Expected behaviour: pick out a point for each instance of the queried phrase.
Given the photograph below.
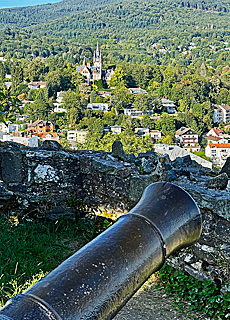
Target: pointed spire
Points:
(84, 62)
(97, 51)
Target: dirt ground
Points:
(152, 304)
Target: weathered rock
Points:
(171, 175)
(51, 145)
(11, 165)
(226, 167)
(147, 166)
(178, 163)
(147, 155)
(196, 273)
(187, 160)
(212, 200)
(131, 158)
(117, 150)
(219, 182)
(165, 162)
(4, 193)
(207, 253)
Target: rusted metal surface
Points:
(98, 280)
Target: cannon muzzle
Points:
(100, 278)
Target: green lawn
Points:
(30, 250)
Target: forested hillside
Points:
(26, 16)
(157, 31)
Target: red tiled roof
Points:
(53, 134)
(219, 145)
(218, 131)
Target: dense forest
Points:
(159, 32)
(27, 16)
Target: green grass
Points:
(201, 296)
(30, 250)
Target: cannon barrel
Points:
(96, 281)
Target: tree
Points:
(9, 105)
(39, 109)
(35, 69)
(223, 96)
(118, 78)
(74, 115)
(71, 100)
(123, 95)
(92, 96)
(142, 102)
(17, 76)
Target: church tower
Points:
(97, 61)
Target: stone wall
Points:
(41, 182)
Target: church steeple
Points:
(97, 51)
(97, 61)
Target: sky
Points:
(22, 3)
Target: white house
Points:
(104, 107)
(187, 138)
(36, 85)
(216, 132)
(59, 96)
(212, 139)
(155, 134)
(58, 108)
(136, 91)
(218, 153)
(169, 105)
(133, 112)
(116, 129)
(141, 132)
(31, 142)
(77, 136)
(221, 113)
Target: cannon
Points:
(97, 281)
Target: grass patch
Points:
(201, 296)
(30, 250)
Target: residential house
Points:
(36, 85)
(104, 107)
(30, 142)
(187, 138)
(60, 96)
(39, 127)
(212, 139)
(58, 108)
(116, 129)
(216, 132)
(4, 127)
(221, 113)
(104, 94)
(169, 105)
(141, 132)
(49, 136)
(218, 153)
(155, 135)
(78, 136)
(133, 112)
(22, 117)
(136, 91)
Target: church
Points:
(95, 72)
